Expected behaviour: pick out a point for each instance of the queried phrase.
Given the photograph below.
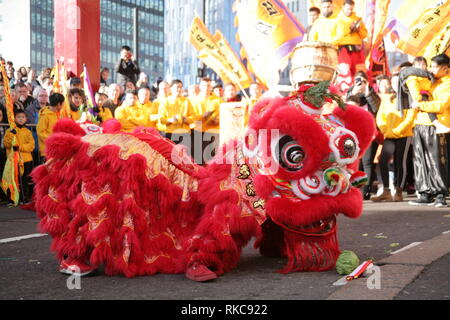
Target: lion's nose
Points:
(332, 176)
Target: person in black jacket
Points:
(362, 89)
(368, 99)
(127, 67)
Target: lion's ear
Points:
(262, 110)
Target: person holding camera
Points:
(370, 101)
(127, 67)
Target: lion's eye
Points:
(290, 154)
(349, 146)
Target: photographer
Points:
(367, 94)
(127, 67)
(368, 99)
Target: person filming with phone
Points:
(127, 67)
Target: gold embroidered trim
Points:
(156, 163)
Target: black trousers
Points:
(399, 148)
(26, 181)
(430, 161)
(368, 166)
(25, 184)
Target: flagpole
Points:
(10, 171)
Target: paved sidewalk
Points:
(397, 272)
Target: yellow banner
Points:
(236, 70)
(440, 44)
(10, 174)
(65, 112)
(425, 28)
(200, 37)
(269, 32)
(381, 13)
(8, 102)
(214, 63)
(410, 10)
(216, 53)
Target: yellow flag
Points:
(268, 32)
(410, 10)
(10, 175)
(214, 63)
(236, 70)
(65, 112)
(377, 31)
(200, 37)
(56, 77)
(425, 28)
(216, 53)
(439, 44)
(8, 101)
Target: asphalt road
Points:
(29, 269)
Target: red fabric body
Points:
(137, 204)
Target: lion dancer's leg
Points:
(217, 242)
(68, 232)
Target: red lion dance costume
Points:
(137, 204)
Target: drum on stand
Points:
(313, 62)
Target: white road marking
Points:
(28, 236)
(341, 282)
(445, 232)
(407, 247)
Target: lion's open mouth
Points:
(321, 227)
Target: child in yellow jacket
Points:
(104, 113)
(24, 144)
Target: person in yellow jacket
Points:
(24, 143)
(76, 99)
(430, 148)
(256, 92)
(159, 104)
(349, 35)
(397, 141)
(48, 117)
(144, 95)
(206, 123)
(130, 114)
(176, 115)
(324, 28)
(104, 113)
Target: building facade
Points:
(117, 29)
(42, 34)
(181, 60)
(27, 35)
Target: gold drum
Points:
(313, 62)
